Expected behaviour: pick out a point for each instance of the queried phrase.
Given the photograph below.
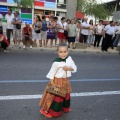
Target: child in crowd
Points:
(4, 42)
(53, 105)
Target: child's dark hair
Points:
(62, 45)
(1, 31)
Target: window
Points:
(61, 4)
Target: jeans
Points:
(97, 40)
(117, 39)
(89, 40)
(8, 33)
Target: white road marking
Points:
(25, 97)
(44, 81)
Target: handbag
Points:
(18, 26)
(66, 33)
(56, 90)
(37, 31)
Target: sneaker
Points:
(24, 46)
(5, 50)
(19, 47)
(45, 114)
(30, 47)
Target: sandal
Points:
(45, 113)
(67, 110)
(70, 110)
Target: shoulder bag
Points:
(56, 90)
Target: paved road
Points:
(95, 87)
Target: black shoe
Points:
(102, 50)
(68, 46)
(73, 47)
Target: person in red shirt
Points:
(27, 34)
(4, 42)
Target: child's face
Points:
(62, 52)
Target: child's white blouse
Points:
(61, 73)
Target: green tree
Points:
(91, 7)
(24, 3)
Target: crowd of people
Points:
(66, 31)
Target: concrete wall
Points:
(71, 9)
(116, 16)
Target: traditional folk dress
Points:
(56, 104)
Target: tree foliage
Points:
(24, 3)
(91, 7)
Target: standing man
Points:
(1, 17)
(84, 31)
(9, 29)
(109, 33)
(17, 28)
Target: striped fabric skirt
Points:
(56, 104)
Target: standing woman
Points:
(90, 34)
(61, 28)
(78, 25)
(37, 25)
(51, 31)
(71, 34)
(68, 21)
(99, 33)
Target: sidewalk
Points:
(88, 49)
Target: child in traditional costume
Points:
(4, 42)
(53, 105)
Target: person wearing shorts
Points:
(17, 28)
(51, 31)
(61, 27)
(37, 25)
(27, 35)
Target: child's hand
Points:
(65, 68)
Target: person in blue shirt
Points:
(44, 30)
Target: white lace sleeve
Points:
(71, 63)
(52, 71)
(73, 66)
